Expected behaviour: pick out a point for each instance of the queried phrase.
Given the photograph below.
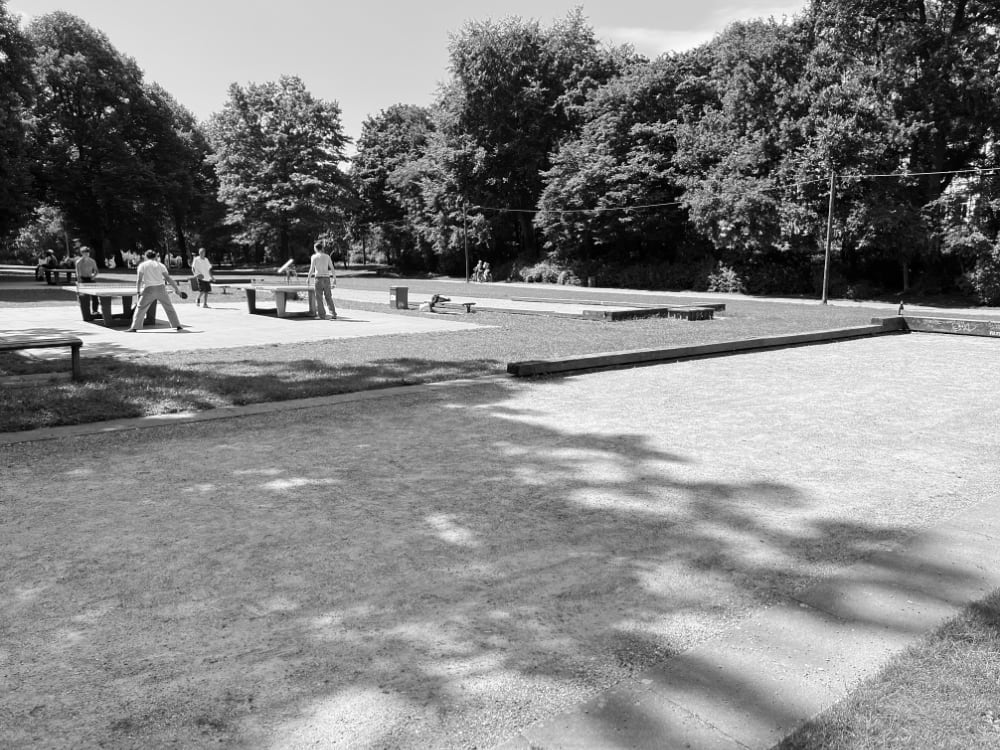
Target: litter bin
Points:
(398, 297)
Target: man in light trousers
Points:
(321, 267)
(151, 282)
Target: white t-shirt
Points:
(152, 273)
(201, 267)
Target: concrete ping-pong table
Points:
(281, 293)
(106, 296)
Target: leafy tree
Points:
(277, 156)
(17, 93)
(623, 158)
(934, 64)
(730, 151)
(390, 143)
(110, 154)
(515, 95)
(187, 186)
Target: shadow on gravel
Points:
(436, 570)
(115, 388)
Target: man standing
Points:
(151, 282)
(321, 266)
(86, 273)
(201, 267)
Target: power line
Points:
(790, 186)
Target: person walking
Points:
(151, 282)
(201, 267)
(321, 267)
(86, 273)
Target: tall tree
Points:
(278, 152)
(17, 93)
(516, 94)
(392, 140)
(611, 193)
(102, 139)
(934, 64)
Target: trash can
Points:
(398, 297)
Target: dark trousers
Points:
(95, 303)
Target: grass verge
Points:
(121, 387)
(943, 692)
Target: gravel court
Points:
(442, 568)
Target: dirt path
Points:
(437, 570)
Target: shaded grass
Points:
(169, 383)
(943, 692)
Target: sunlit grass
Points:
(943, 692)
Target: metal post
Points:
(829, 236)
(465, 240)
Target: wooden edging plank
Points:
(717, 306)
(671, 354)
(674, 311)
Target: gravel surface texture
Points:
(440, 568)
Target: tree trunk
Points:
(182, 246)
(528, 234)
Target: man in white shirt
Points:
(151, 282)
(86, 273)
(201, 267)
(321, 267)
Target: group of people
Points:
(481, 273)
(153, 277)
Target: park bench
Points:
(437, 301)
(52, 275)
(9, 343)
(467, 306)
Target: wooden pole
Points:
(829, 236)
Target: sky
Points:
(364, 54)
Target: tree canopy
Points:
(277, 154)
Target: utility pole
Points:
(465, 239)
(829, 235)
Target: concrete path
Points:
(225, 324)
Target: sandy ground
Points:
(441, 568)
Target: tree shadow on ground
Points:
(116, 388)
(435, 570)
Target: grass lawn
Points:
(116, 387)
(941, 693)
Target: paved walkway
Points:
(647, 454)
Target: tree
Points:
(108, 150)
(516, 94)
(934, 64)
(623, 158)
(277, 156)
(730, 151)
(17, 92)
(390, 141)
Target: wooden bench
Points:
(467, 306)
(52, 275)
(16, 343)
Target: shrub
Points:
(545, 272)
(985, 278)
(568, 278)
(725, 279)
